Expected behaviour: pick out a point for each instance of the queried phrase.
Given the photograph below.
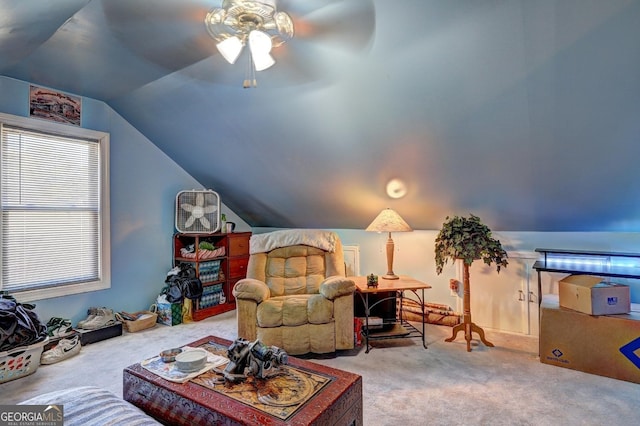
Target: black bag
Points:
(183, 284)
(173, 291)
(191, 288)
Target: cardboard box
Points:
(592, 295)
(603, 345)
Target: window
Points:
(55, 209)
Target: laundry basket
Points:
(21, 361)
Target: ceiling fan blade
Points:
(298, 63)
(173, 34)
(165, 32)
(343, 24)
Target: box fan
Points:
(197, 212)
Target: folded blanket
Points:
(263, 243)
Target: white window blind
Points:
(51, 210)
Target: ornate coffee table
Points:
(337, 399)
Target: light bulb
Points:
(260, 44)
(230, 48)
(262, 62)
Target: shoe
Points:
(59, 327)
(66, 348)
(104, 317)
(91, 314)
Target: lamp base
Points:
(390, 277)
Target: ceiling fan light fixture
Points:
(262, 62)
(254, 22)
(230, 49)
(259, 42)
(260, 45)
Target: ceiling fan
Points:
(254, 23)
(200, 38)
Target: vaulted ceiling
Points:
(526, 113)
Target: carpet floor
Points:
(403, 383)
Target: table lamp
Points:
(389, 221)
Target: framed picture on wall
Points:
(55, 106)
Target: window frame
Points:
(104, 280)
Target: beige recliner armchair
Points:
(296, 296)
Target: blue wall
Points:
(144, 183)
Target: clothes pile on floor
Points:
(19, 324)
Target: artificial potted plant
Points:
(468, 239)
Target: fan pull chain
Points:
(250, 75)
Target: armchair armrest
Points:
(252, 289)
(336, 286)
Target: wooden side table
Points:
(399, 328)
